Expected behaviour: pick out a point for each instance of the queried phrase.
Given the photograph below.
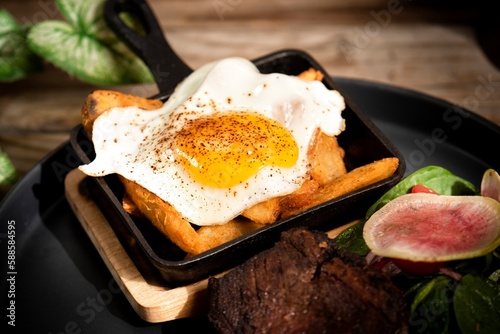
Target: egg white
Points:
(127, 140)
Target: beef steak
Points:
(304, 285)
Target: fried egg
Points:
(228, 137)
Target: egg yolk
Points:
(223, 150)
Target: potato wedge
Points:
(327, 159)
(165, 218)
(264, 212)
(216, 235)
(351, 181)
(99, 101)
(299, 198)
(311, 75)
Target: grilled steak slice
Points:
(303, 285)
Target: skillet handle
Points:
(152, 47)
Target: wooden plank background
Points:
(413, 44)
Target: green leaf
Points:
(80, 14)
(418, 283)
(430, 309)
(87, 18)
(16, 59)
(7, 22)
(436, 178)
(477, 305)
(85, 57)
(85, 47)
(351, 239)
(8, 173)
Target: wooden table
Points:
(410, 44)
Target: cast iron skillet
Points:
(150, 45)
(362, 141)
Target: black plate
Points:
(60, 276)
(362, 142)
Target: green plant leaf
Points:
(16, 59)
(85, 47)
(86, 17)
(477, 305)
(80, 14)
(351, 239)
(8, 173)
(436, 178)
(7, 22)
(430, 309)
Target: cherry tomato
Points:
(420, 188)
(418, 268)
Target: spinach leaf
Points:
(16, 59)
(436, 178)
(85, 47)
(477, 305)
(431, 306)
(351, 239)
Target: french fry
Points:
(311, 75)
(300, 197)
(165, 218)
(264, 212)
(216, 235)
(130, 207)
(351, 181)
(100, 101)
(327, 159)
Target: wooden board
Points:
(153, 302)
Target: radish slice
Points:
(429, 228)
(490, 185)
